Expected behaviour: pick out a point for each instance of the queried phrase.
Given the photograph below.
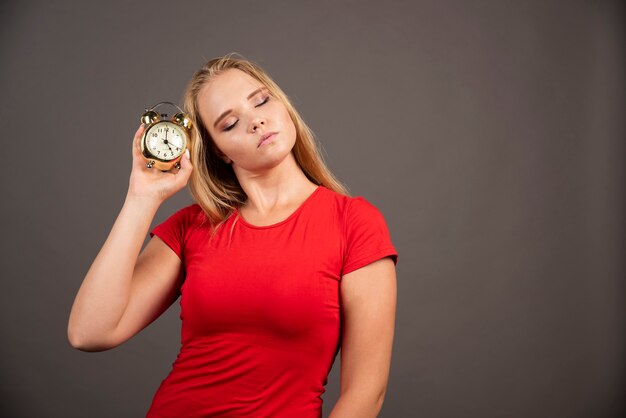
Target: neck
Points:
(277, 187)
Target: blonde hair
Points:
(213, 184)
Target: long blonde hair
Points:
(214, 185)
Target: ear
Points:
(223, 156)
(220, 154)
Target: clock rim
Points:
(148, 154)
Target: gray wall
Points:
(489, 133)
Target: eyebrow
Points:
(224, 114)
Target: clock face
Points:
(165, 140)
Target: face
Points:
(239, 112)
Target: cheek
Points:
(225, 145)
(231, 146)
(288, 123)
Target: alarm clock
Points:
(164, 141)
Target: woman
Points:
(275, 265)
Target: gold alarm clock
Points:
(164, 141)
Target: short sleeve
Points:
(367, 236)
(172, 230)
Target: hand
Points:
(151, 183)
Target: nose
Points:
(256, 123)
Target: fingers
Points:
(185, 166)
(136, 148)
(185, 162)
(137, 137)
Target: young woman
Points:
(276, 266)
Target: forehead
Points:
(225, 91)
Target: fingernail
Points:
(187, 154)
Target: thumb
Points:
(136, 147)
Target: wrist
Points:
(149, 203)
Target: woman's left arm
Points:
(368, 297)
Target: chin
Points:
(277, 156)
(275, 160)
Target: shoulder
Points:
(365, 234)
(189, 211)
(359, 206)
(188, 216)
(194, 210)
(350, 207)
(354, 215)
(363, 217)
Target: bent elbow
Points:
(381, 399)
(78, 341)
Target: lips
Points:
(265, 137)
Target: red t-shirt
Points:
(260, 306)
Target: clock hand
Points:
(166, 142)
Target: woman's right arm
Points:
(124, 290)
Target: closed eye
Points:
(229, 127)
(263, 102)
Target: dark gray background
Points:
(489, 133)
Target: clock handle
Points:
(161, 103)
